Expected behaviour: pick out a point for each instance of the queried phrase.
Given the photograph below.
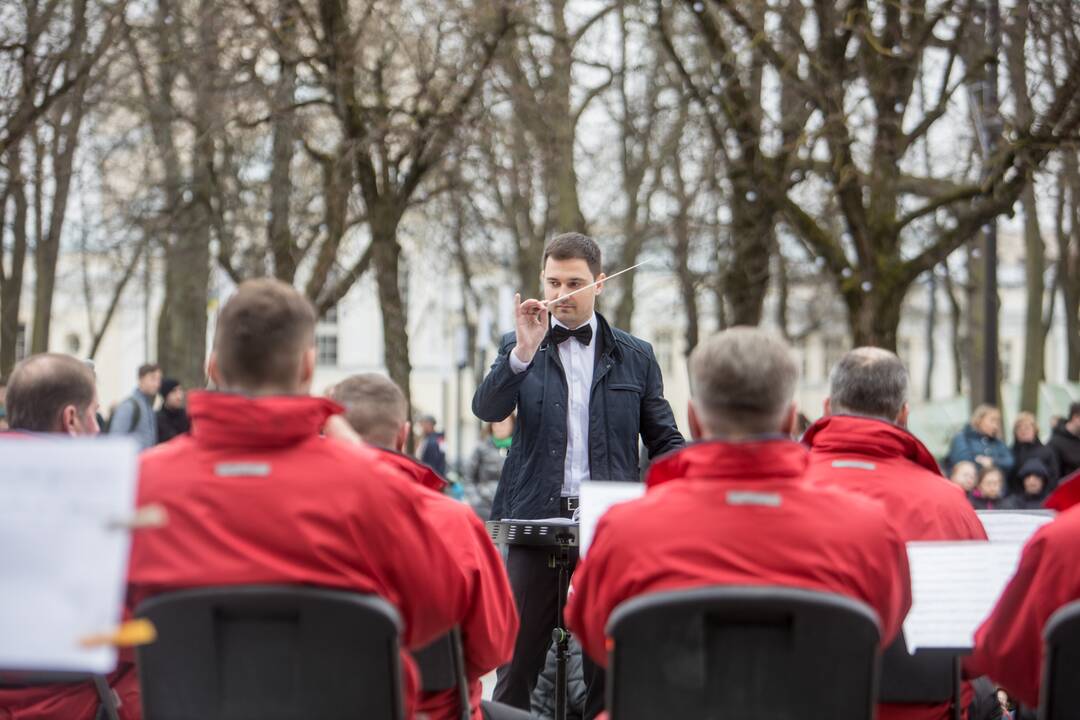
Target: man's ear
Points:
(828, 407)
(69, 420)
(600, 283)
(902, 418)
(697, 431)
(402, 436)
(307, 369)
(213, 372)
(790, 424)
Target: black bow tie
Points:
(559, 334)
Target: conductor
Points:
(584, 392)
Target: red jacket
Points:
(885, 462)
(255, 495)
(489, 626)
(1008, 645)
(684, 533)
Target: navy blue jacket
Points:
(627, 400)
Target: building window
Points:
(326, 348)
(74, 344)
(664, 350)
(330, 316)
(1005, 352)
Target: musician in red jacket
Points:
(1009, 644)
(377, 410)
(736, 509)
(862, 446)
(256, 493)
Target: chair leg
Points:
(108, 710)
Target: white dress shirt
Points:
(578, 361)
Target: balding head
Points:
(376, 408)
(742, 382)
(870, 382)
(52, 393)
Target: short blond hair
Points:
(742, 381)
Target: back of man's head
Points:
(375, 407)
(742, 382)
(871, 382)
(52, 393)
(265, 339)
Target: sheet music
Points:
(62, 568)
(596, 498)
(1013, 526)
(954, 586)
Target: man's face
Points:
(175, 399)
(1033, 484)
(85, 424)
(150, 383)
(427, 427)
(990, 424)
(565, 276)
(1025, 432)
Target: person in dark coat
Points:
(1065, 442)
(172, 418)
(980, 442)
(431, 447)
(1034, 487)
(1028, 446)
(987, 494)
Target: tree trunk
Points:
(279, 231)
(387, 258)
(1035, 265)
(959, 343)
(874, 315)
(976, 322)
(182, 324)
(11, 295)
(746, 279)
(931, 327)
(1069, 267)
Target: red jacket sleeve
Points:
(1008, 645)
(892, 587)
(489, 628)
(595, 591)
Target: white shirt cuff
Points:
(516, 364)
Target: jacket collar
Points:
(867, 436)
(416, 470)
(232, 420)
(763, 458)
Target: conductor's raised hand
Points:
(531, 325)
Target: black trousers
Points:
(498, 711)
(534, 585)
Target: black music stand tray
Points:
(559, 537)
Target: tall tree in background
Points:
(858, 68)
(400, 91)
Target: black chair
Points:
(753, 653)
(442, 667)
(1061, 665)
(270, 653)
(928, 676)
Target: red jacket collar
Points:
(226, 419)
(867, 436)
(762, 458)
(414, 469)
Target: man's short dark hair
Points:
(148, 368)
(374, 405)
(262, 333)
(41, 386)
(1074, 410)
(869, 381)
(574, 246)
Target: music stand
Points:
(559, 536)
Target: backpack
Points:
(135, 417)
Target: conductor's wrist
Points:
(523, 355)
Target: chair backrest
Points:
(270, 653)
(1061, 665)
(928, 676)
(753, 653)
(442, 667)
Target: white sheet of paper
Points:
(595, 500)
(1013, 526)
(63, 570)
(954, 586)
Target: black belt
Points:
(568, 504)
